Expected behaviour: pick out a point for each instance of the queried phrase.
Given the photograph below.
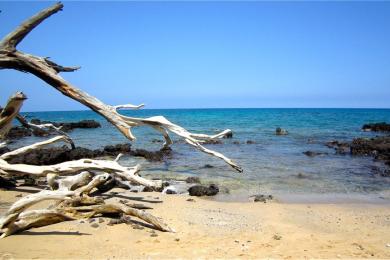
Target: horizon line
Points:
(205, 108)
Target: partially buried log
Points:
(43, 68)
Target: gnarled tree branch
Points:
(48, 71)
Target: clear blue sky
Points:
(209, 54)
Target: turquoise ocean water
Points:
(271, 165)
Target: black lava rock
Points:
(201, 190)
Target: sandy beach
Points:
(207, 229)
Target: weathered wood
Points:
(9, 112)
(10, 58)
(29, 148)
(74, 167)
(46, 128)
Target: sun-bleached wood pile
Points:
(71, 183)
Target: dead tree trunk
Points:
(11, 58)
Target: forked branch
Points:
(10, 58)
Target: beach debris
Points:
(277, 237)
(95, 225)
(261, 198)
(202, 190)
(191, 200)
(281, 131)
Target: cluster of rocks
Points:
(54, 155)
(21, 131)
(378, 147)
(377, 127)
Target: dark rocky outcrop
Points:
(21, 131)
(379, 147)
(201, 190)
(313, 153)
(18, 132)
(69, 126)
(54, 155)
(340, 147)
(377, 127)
(159, 155)
(212, 141)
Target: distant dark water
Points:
(271, 165)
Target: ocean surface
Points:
(272, 165)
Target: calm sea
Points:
(272, 165)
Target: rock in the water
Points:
(340, 147)
(212, 141)
(201, 190)
(193, 180)
(377, 127)
(152, 155)
(281, 131)
(250, 142)
(228, 135)
(312, 153)
(69, 126)
(18, 132)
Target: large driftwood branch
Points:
(16, 220)
(74, 167)
(29, 148)
(9, 112)
(10, 58)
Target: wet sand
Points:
(209, 229)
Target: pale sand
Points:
(208, 229)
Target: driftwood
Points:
(71, 182)
(17, 219)
(43, 68)
(9, 112)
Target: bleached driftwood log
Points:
(16, 219)
(9, 112)
(46, 128)
(26, 149)
(11, 58)
(74, 167)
